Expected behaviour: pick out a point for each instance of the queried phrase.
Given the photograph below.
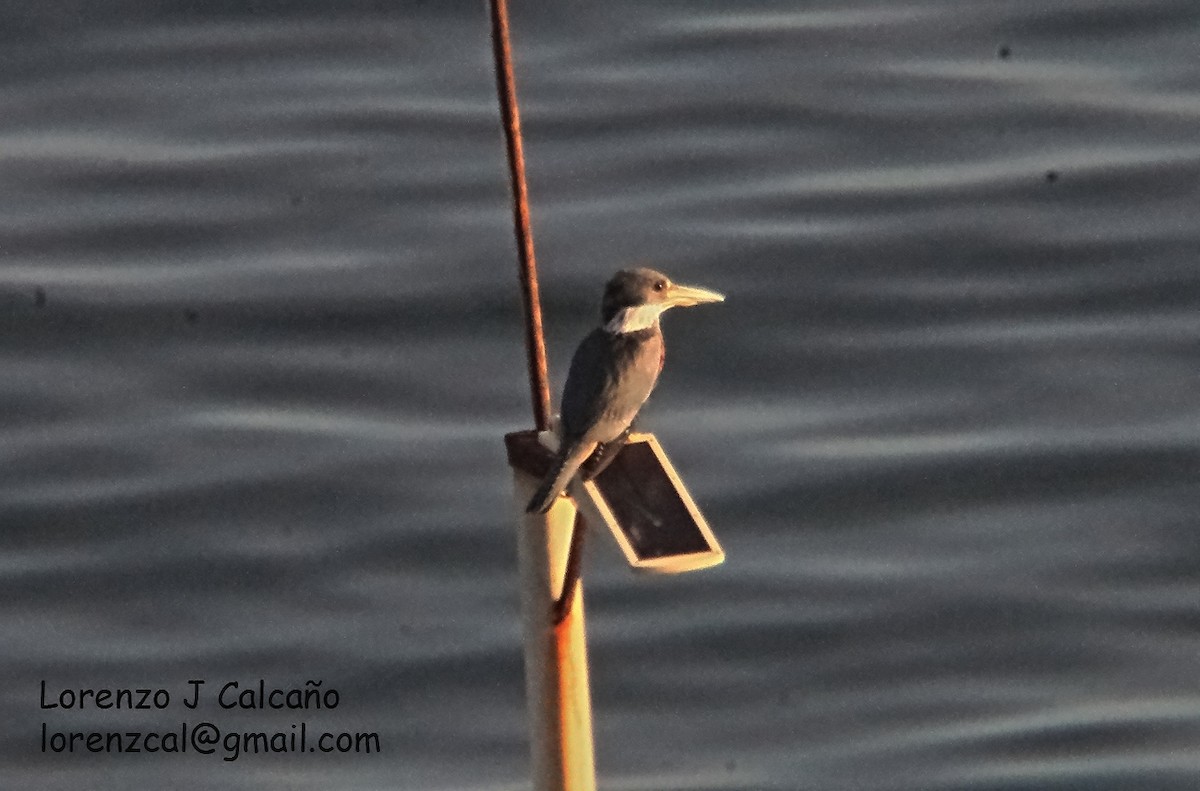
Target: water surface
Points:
(260, 342)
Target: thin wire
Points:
(506, 89)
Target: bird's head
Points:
(635, 298)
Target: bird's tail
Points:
(556, 480)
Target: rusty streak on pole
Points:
(535, 344)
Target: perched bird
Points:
(613, 370)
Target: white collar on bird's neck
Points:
(635, 318)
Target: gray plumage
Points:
(613, 371)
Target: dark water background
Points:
(259, 345)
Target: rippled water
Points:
(260, 346)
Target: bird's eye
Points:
(660, 285)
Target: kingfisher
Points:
(613, 371)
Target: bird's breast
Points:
(611, 376)
(643, 360)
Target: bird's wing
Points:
(590, 376)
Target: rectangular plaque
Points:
(641, 499)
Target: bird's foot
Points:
(604, 455)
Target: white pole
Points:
(556, 673)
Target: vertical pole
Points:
(556, 675)
(506, 89)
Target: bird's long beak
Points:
(686, 296)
